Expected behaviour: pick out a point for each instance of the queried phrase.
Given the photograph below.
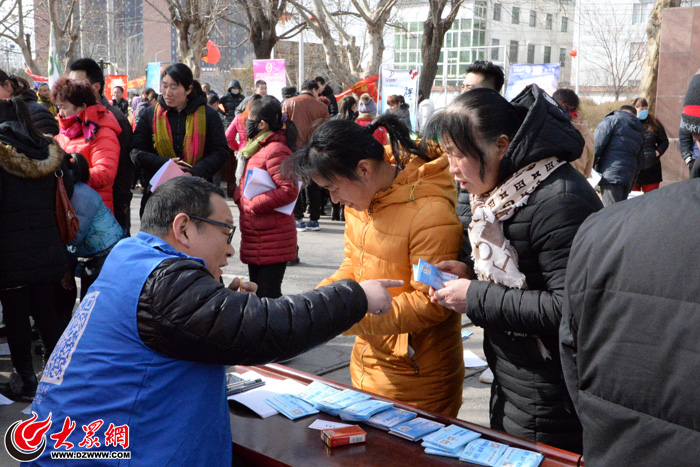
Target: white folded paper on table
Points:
(472, 361)
(255, 398)
(319, 424)
(169, 170)
(258, 181)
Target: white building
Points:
(505, 32)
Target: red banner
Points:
(367, 85)
(36, 77)
(115, 80)
(136, 83)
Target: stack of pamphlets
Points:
(427, 274)
(290, 406)
(415, 429)
(514, 457)
(362, 411)
(493, 454)
(316, 391)
(449, 441)
(332, 405)
(389, 418)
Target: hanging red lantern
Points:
(573, 53)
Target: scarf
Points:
(48, 104)
(251, 147)
(495, 259)
(195, 135)
(75, 126)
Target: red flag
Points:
(367, 85)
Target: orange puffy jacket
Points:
(101, 153)
(414, 353)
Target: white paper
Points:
(27, 410)
(5, 401)
(255, 398)
(326, 425)
(258, 181)
(4, 349)
(594, 179)
(169, 170)
(472, 361)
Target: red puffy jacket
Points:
(268, 236)
(101, 153)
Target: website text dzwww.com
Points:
(91, 455)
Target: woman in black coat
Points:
(32, 258)
(44, 120)
(527, 204)
(655, 145)
(181, 105)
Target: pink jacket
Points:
(237, 127)
(101, 153)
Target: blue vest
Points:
(176, 410)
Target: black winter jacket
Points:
(230, 102)
(528, 396)
(618, 148)
(43, 119)
(653, 141)
(185, 314)
(630, 330)
(144, 153)
(333, 106)
(30, 248)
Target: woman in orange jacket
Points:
(396, 214)
(88, 128)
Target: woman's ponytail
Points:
(402, 146)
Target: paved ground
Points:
(321, 253)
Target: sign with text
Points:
(400, 83)
(546, 76)
(153, 76)
(273, 72)
(114, 80)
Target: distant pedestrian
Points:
(655, 145)
(619, 141)
(568, 99)
(426, 109)
(118, 100)
(231, 100)
(11, 85)
(348, 108)
(483, 74)
(325, 90)
(397, 106)
(260, 89)
(43, 93)
(367, 109)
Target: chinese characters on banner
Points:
(273, 72)
(114, 80)
(400, 83)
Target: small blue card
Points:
(290, 406)
(362, 411)
(332, 405)
(427, 274)
(514, 457)
(415, 429)
(451, 439)
(389, 418)
(483, 452)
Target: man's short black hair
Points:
(567, 98)
(630, 109)
(212, 99)
(320, 80)
(191, 195)
(119, 87)
(259, 82)
(309, 85)
(493, 74)
(92, 71)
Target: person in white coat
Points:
(426, 109)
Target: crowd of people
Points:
(496, 192)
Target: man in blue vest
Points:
(141, 366)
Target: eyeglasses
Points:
(219, 224)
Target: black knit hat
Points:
(690, 119)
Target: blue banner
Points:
(546, 76)
(153, 76)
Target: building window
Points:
(533, 18)
(562, 57)
(531, 53)
(548, 23)
(497, 12)
(637, 50)
(564, 24)
(547, 54)
(639, 13)
(495, 51)
(516, 15)
(513, 53)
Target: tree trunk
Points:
(263, 41)
(650, 74)
(376, 46)
(430, 54)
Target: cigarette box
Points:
(342, 436)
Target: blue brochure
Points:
(514, 457)
(331, 405)
(316, 391)
(362, 411)
(483, 452)
(389, 418)
(290, 406)
(416, 429)
(451, 439)
(427, 274)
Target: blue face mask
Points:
(643, 114)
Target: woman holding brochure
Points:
(180, 127)
(527, 203)
(399, 209)
(268, 231)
